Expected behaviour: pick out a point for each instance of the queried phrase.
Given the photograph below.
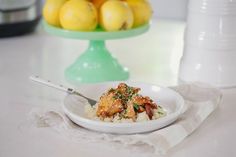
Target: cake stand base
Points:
(96, 65)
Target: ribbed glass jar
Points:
(210, 43)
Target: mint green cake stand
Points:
(96, 64)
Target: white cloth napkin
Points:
(201, 100)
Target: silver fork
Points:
(62, 88)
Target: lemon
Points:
(78, 15)
(115, 15)
(51, 11)
(142, 11)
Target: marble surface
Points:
(156, 57)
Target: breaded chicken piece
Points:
(126, 90)
(108, 106)
(140, 100)
(142, 104)
(130, 113)
(124, 98)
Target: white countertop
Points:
(157, 54)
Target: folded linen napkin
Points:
(201, 100)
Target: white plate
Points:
(170, 100)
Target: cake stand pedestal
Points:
(96, 64)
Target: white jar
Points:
(210, 43)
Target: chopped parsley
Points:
(136, 107)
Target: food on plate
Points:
(142, 11)
(124, 104)
(51, 11)
(78, 15)
(87, 15)
(116, 15)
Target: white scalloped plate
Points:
(170, 100)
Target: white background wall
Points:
(174, 9)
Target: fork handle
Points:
(50, 84)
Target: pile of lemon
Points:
(87, 15)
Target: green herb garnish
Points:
(136, 106)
